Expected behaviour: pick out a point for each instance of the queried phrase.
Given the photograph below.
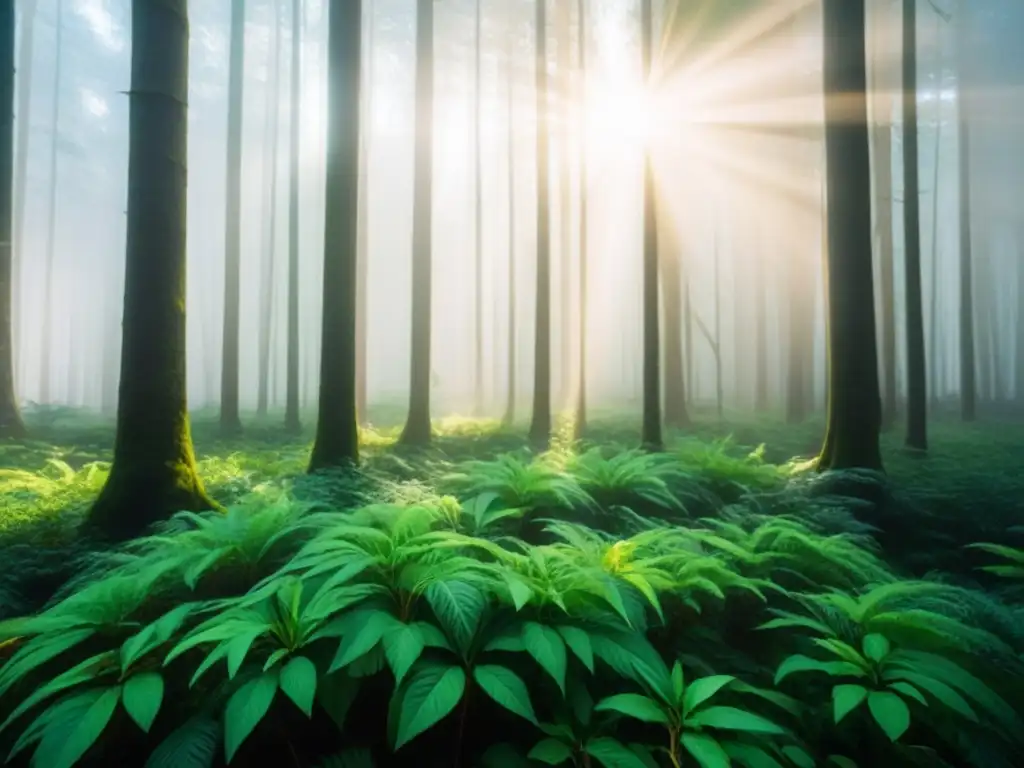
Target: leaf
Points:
(427, 697)
(945, 694)
(677, 683)
(458, 607)
(518, 590)
(153, 635)
(876, 647)
(335, 693)
(800, 663)
(733, 719)
(751, 756)
(368, 627)
(245, 709)
(845, 699)
(298, 683)
(579, 643)
(612, 753)
(705, 750)
(633, 705)
(37, 652)
(142, 696)
(506, 688)
(66, 741)
(550, 751)
(402, 647)
(702, 689)
(238, 648)
(890, 712)
(192, 745)
(548, 650)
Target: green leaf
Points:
(518, 590)
(702, 689)
(142, 696)
(732, 719)
(890, 712)
(677, 683)
(37, 652)
(335, 693)
(402, 646)
(458, 607)
(66, 741)
(548, 650)
(298, 683)
(876, 647)
(798, 757)
(192, 745)
(845, 699)
(551, 751)
(909, 692)
(800, 663)
(705, 750)
(245, 709)
(366, 630)
(153, 635)
(751, 756)
(579, 643)
(506, 688)
(238, 649)
(946, 695)
(612, 753)
(429, 694)
(633, 705)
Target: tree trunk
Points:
(540, 425)
(478, 225)
(292, 422)
(968, 383)
(363, 267)
(564, 37)
(510, 403)
(154, 468)
(854, 404)
(417, 426)
(672, 285)
(337, 429)
(760, 331)
(580, 420)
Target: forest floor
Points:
(919, 519)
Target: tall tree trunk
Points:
(968, 383)
(651, 431)
(800, 343)
(154, 469)
(854, 403)
(719, 382)
(690, 362)
(540, 425)
(11, 424)
(272, 121)
(672, 286)
(292, 422)
(510, 403)
(934, 358)
(363, 267)
(564, 37)
(917, 368)
(478, 224)
(580, 420)
(337, 429)
(417, 426)
(760, 331)
(1018, 375)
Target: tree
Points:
(478, 219)
(230, 422)
(968, 375)
(510, 394)
(11, 424)
(291, 408)
(417, 424)
(580, 420)
(337, 428)
(854, 403)
(154, 468)
(363, 268)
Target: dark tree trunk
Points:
(417, 426)
(580, 420)
(540, 425)
(11, 424)
(363, 267)
(510, 403)
(1018, 375)
(968, 383)
(917, 368)
(854, 403)
(291, 397)
(230, 422)
(337, 429)
(154, 469)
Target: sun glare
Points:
(619, 116)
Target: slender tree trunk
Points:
(417, 426)
(363, 267)
(854, 404)
(154, 469)
(581, 375)
(690, 362)
(272, 121)
(933, 320)
(565, 369)
(11, 424)
(672, 287)
(478, 224)
(510, 402)
(760, 331)
(1018, 376)
(540, 425)
(968, 383)
(719, 383)
(291, 398)
(337, 428)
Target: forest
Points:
(501, 383)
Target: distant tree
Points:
(417, 425)
(968, 372)
(154, 468)
(478, 216)
(337, 428)
(580, 420)
(854, 403)
(291, 407)
(11, 424)
(510, 390)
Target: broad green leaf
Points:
(677, 683)
(945, 694)
(403, 645)
(275, 657)
(634, 705)
(798, 757)
(791, 620)
(551, 751)
(458, 607)
(245, 709)
(362, 637)
(548, 650)
(518, 590)
(705, 750)
(427, 696)
(751, 756)
(238, 649)
(800, 663)
(579, 643)
(845, 699)
(298, 683)
(193, 745)
(702, 689)
(142, 696)
(65, 742)
(909, 692)
(876, 647)
(65, 712)
(335, 693)
(37, 652)
(732, 719)
(153, 635)
(506, 688)
(612, 753)
(890, 712)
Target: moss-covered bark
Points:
(337, 429)
(854, 403)
(154, 469)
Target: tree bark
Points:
(968, 376)
(363, 267)
(580, 421)
(510, 393)
(478, 224)
(292, 420)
